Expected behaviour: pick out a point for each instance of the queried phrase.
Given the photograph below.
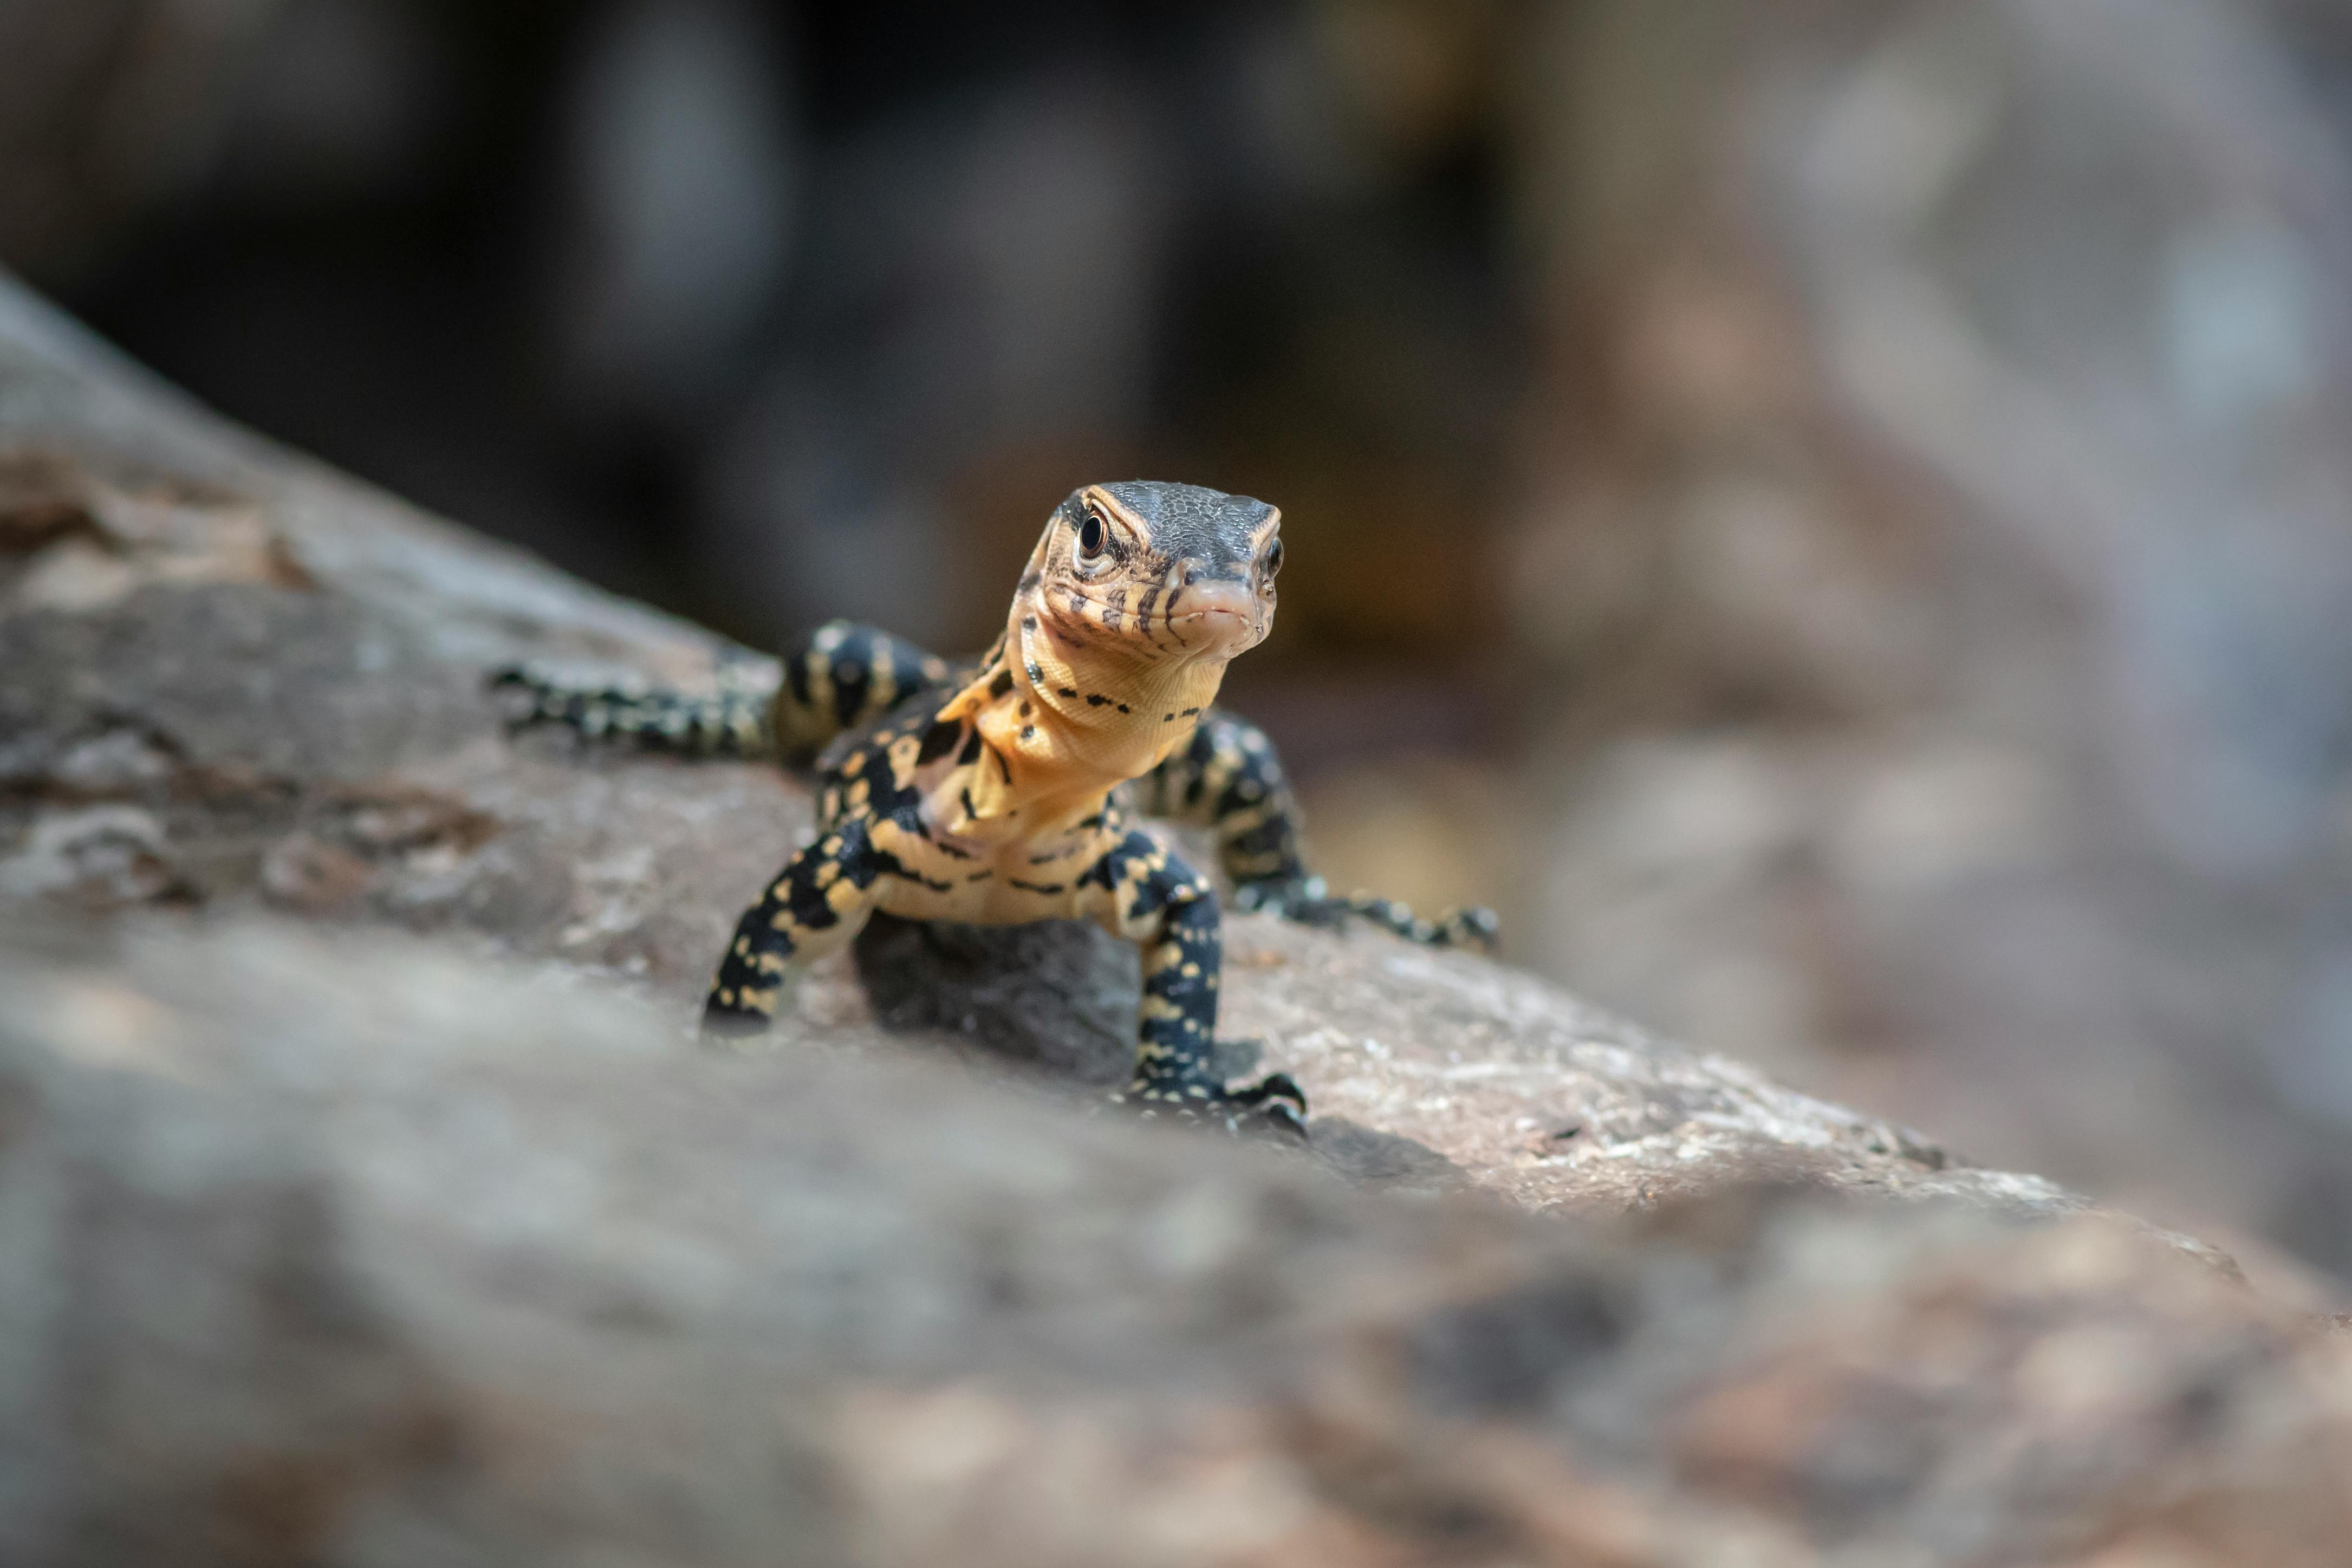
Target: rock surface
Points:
(355, 1252)
(236, 681)
(343, 1247)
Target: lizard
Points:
(999, 791)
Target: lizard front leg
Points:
(1138, 891)
(815, 906)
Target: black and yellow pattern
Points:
(1230, 780)
(730, 720)
(995, 793)
(841, 677)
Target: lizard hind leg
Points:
(729, 720)
(1229, 780)
(837, 678)
(1308, 903)
(843, 675)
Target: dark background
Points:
(1836, 516)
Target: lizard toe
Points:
(1275, 1107)
(1274, 1086)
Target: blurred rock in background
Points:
(1834, 515)
(1940, 552)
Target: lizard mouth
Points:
(1199, 618)
(1216, 612)
(1208, 634)
(1224, 622)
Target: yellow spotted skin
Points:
(997, 793)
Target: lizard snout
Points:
(1220, 610)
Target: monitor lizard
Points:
(999, 792)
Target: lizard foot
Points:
(729, 1027)
(1273, 1107)
(1307, 901)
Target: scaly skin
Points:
(997, 794)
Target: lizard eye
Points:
(1090, 537)
(1273, 558)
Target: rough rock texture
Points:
(347, 1248)
(355, 1252)
(235, 680)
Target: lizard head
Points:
(1138, 596)
(1144, 573)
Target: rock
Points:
(328, 1245)
(281, 704)
(348, 1251)
(1061, 994)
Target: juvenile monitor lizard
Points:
(998, 792)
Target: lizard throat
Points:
(1065, 721)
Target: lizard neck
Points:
(1064, 722)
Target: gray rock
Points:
(272, 697)
(349, 1251)
(362, 1199)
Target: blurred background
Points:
(1835, 517)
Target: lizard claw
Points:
(723, 1027)
(1274, 1086)
(1274, 1105)
(1476, 923)
(1279, 1117)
